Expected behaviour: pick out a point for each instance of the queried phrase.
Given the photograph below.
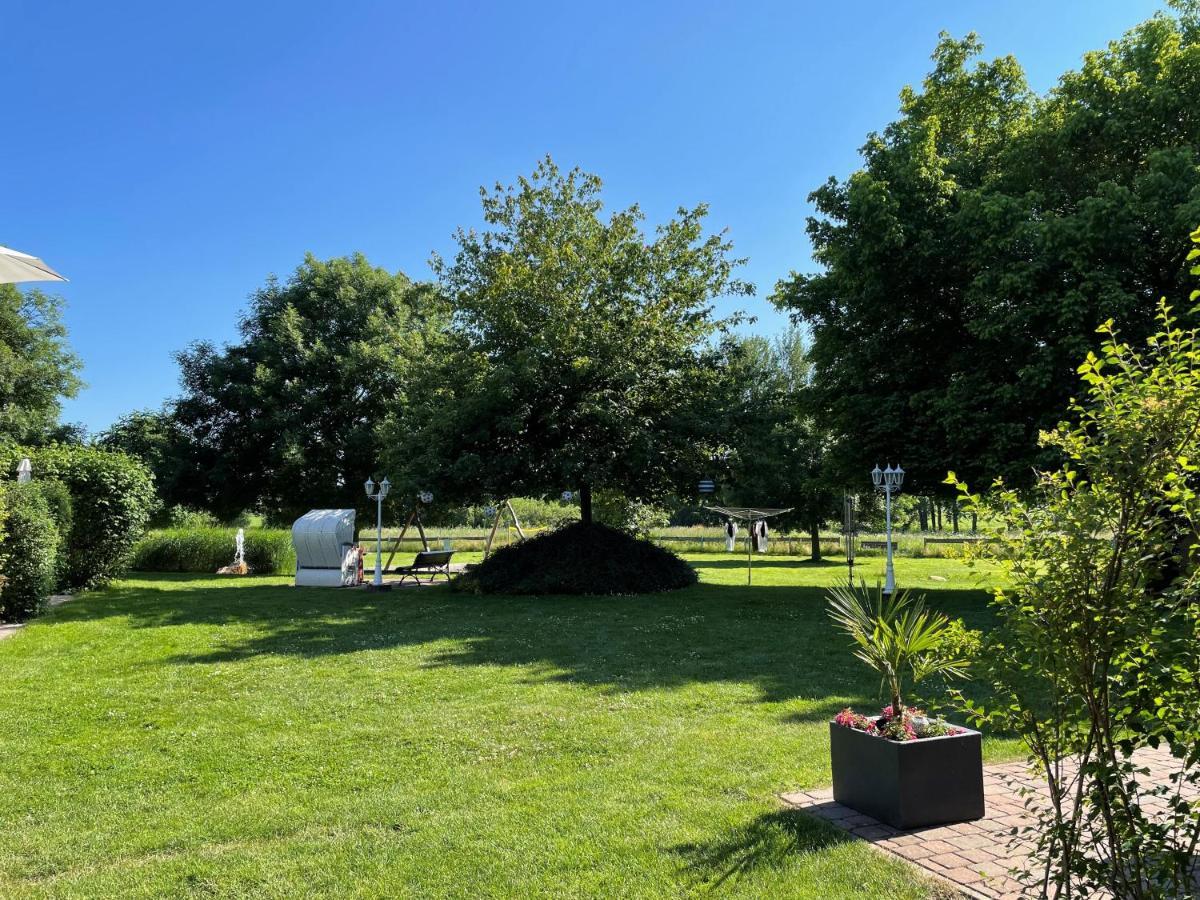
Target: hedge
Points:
(58, 500)
(268, 551)
(29, 552)
(112, 497)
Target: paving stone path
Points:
(979, 858)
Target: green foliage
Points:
(631, 516)
(157, 438)
(206, 549)
(111, 499)
(285, 420)
(779, 454)
(28, 554)
(37, 368)
(532, 512)
(900, 638)
(579, 558)
(580, 356)
(183, 517)
(989, 232)
(58, 501)
(1096, 653)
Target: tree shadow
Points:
(768, 841)
(777, 638)
(767, 562)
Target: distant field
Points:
(694, 539)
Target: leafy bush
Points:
(579, 559)
(58, 500)
(632, 516)
(112, 497)
(186, 517)
(30, 549)
(268, 551)
(1093, 655)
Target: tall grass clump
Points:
(268, 551)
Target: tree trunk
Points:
(923, 512)
(585, 503)
(954, 516)
(974, 523)
(815, 531)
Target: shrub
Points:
(58, 500)
(579, 559)
(112, 497)
(632, 516)
(1093, 655)
(268, 551)
(30, 549)
(185, 517)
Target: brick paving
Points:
(981, 859)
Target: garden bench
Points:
(428, 562)
(952, 540)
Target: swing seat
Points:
(428, 562)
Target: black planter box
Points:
(908, 784)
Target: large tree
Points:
(287, 418)
(37, 368)
(157, 438)
(582, 350)
(989, 232)
(779, 455)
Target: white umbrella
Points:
(17, 266)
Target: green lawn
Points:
(191, 736)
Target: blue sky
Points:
(167, 157)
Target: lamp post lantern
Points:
(889, 481)
(377, 492)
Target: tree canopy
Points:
(967, 265)
(779, 455)
(157, 439)
(581, 352)
(37, 367)
(287, 419)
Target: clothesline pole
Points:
(749, 548)
(751, 516)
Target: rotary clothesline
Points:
(749, 514)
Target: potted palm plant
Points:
(901, 766)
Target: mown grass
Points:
(177, 735)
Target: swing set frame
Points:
(414, 518)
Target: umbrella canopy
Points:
(17, 266)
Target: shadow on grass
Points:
(777, 638)
(767, 562)
(767, 842)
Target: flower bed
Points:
(913, 725)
